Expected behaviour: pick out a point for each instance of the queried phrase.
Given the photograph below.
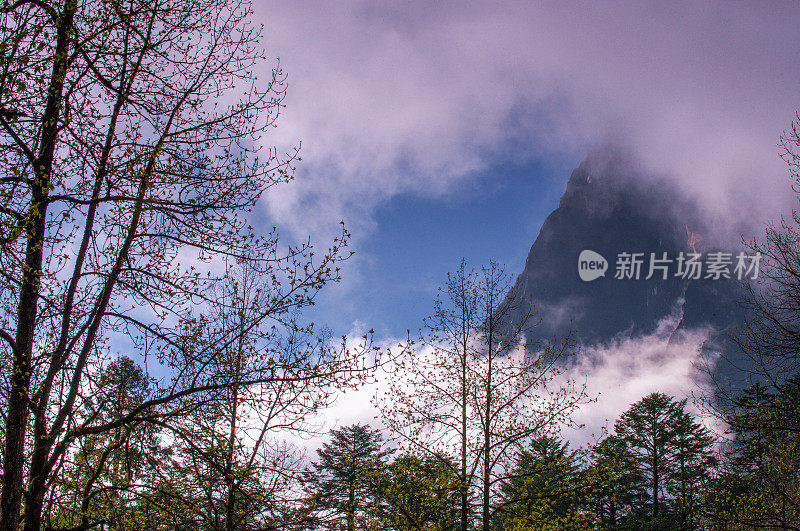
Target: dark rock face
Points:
(608, 208)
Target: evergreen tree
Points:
(673, 453)
(545, 489)
(99, 484)
(647, 431)
(692, 447)
(758, 485)
(616, 485)
(420, 492)
(342, 482)
(758, 482)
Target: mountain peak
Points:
(610, 207)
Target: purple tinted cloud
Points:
(415, 97)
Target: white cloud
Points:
(617, 374)
(354, 405)
(623, 371)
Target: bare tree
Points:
(236, 443)
(226, 464)
(130, 157)
(478, 390)
(759, 403)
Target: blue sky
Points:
(418, 240)
(441, 130)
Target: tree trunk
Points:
(230, 505)
(655, 483)
(351, 509)
(17, 409)
(612, 512)
(487, 439)
(487, 429)
(464, 487)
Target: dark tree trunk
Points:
(656, 464)
(18, 398)
(464, 486)
(487, 435)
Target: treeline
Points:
(658, 469)
(655, 471)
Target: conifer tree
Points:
(671, 451)
(342, 482)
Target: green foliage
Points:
(758, 484)
(342, 482)
(545, 490)
(133, 155)
(95, 484)
(654, 471)
(616, 484)
(692, 463)
(478, 390)
(419, 492)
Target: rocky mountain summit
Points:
(612, 209)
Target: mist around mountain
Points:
(612, 207)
